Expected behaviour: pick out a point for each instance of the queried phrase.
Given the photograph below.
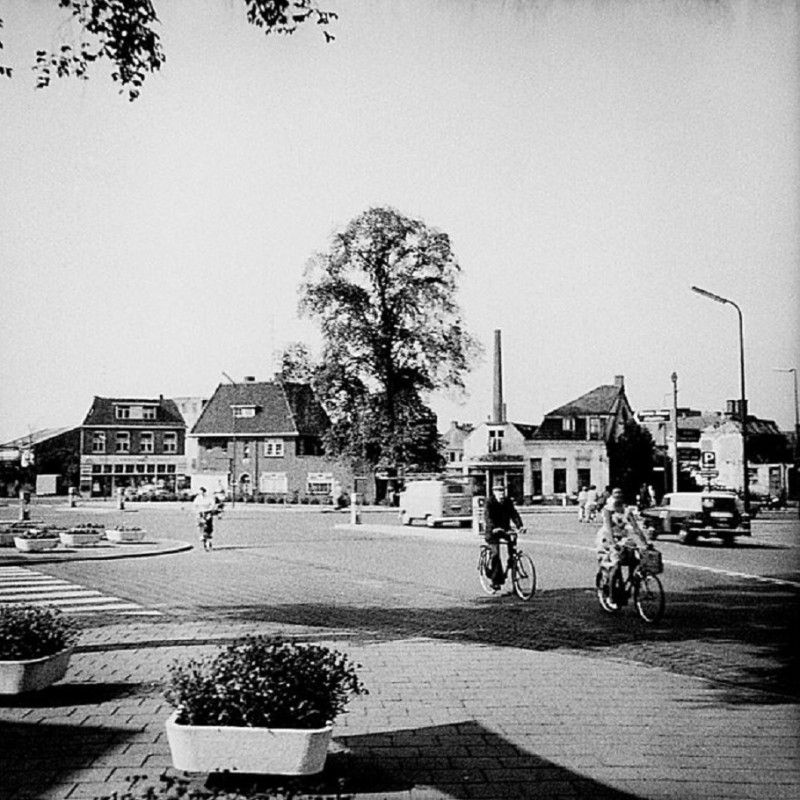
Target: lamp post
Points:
(796, 424)
(233, 443)
(743, 411)
(674, 415)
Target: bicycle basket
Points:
(652, 562)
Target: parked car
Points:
(691, 515)
(436, 501)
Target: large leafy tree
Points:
(125, 34)
(631, 459)
(384, 295)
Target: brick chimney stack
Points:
(498, 414)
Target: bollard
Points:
(355, 509)
(24, 507)
(72, 499)
(478, 523)
(121, 499)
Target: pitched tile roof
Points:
(280, 408)
(102, 412)
(599, 401)
(37, 437)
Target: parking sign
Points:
(708, 459)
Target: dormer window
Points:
(240, 412)
(123, 412)
(568, 424)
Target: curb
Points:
(158, 548)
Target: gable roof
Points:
(280, 408)
(601, 400)
(102, 412)
(37, 437)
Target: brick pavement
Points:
(442, 720)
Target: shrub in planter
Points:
(265, 682)
(35, 647)
(28, 631)
(262, 705)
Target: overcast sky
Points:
(589, 160)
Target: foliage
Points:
(384, 295)
(264, 682)
(631, 456)
(28, 632)
(37, 533)
(124, 34)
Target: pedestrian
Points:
(206, 508)
(582, 504)
(591, 503)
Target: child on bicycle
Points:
(500, 515)
(620, 532)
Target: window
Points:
(559, 480)
(273, 448)
(149, 412)
(536, 477)
(584, 477)
(567, 424)
(594, 427)
(146, 442)
(171, 442)
(161, 468)
(319, 483)
(273, 483)
(98, 442)
(123, 442)
(119, 468)
(123, 412)
(97, 468)
(244, 411)
(495, 441)
(246, 451)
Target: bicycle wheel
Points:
(523, 576)
(604, 582)
(484, 563)
(648, 596)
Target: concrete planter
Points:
(34, 674)
(264, 751)
(35, 545)
(124, 537)
(6, 539)
(79, 538)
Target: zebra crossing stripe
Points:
(23, 585)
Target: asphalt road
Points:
(731, 612)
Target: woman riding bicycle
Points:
(620, 533)
(500, 515)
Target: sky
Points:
(590, 161)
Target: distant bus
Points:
(436, 501)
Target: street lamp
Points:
(233, 443)
(796, 422)
(746, 478)
(674, 415)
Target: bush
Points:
(28, 632)
(264, 682)
(38, 533)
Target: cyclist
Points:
(206, 507)
(500, 515)
(620, 532)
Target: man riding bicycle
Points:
(500, 515)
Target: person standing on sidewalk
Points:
(582, 504)
(500, 515)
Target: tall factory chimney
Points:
(498, 414)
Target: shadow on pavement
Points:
(741, 634)
(36, 756)
(461, 760)
(73, 694)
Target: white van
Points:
(436, 501)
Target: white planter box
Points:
(114, 535)
(35, 545)
(79, 538)
(264, 751)
(17, 677)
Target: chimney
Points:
(249, 378)
(497, 395)
(619, 381)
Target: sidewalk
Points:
(442, 720)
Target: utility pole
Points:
(674, 415)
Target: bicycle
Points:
(643, 584)
(205, 524)
(520, 566)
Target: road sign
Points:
(708, 474)
(708, 459)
